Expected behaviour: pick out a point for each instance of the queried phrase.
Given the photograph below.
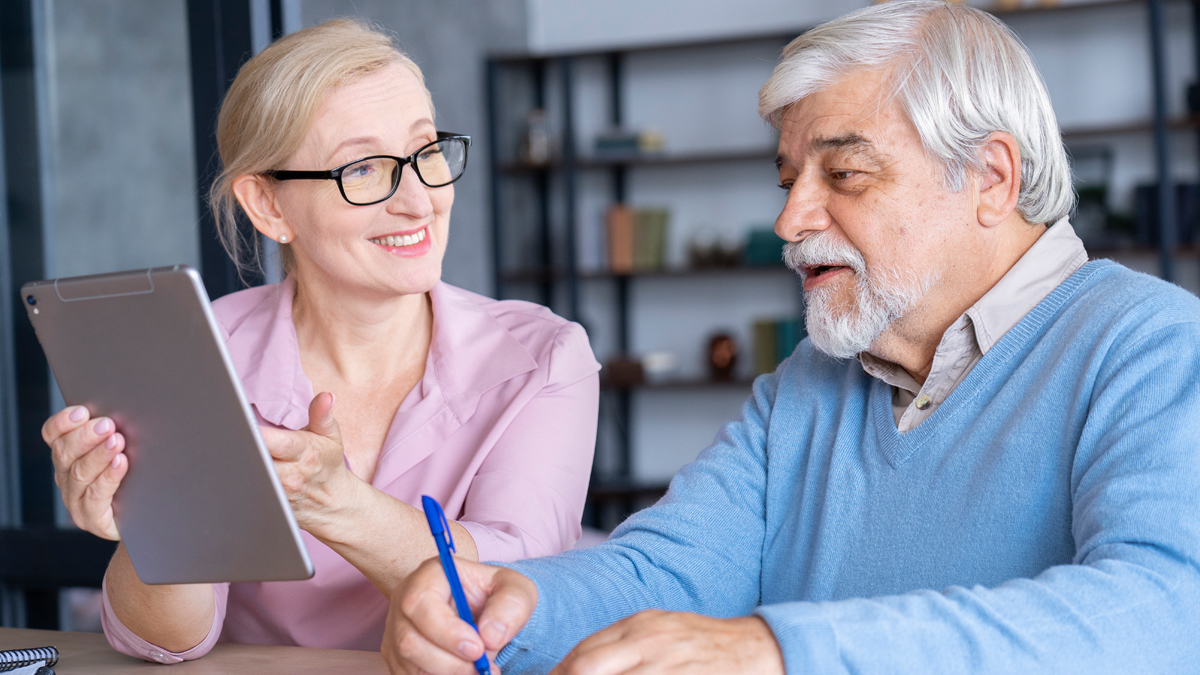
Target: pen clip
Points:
(437, 520)
(446, 529)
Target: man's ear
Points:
(256, 194)
(1000, 180)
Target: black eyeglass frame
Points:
(336, 174)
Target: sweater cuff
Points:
(806, 638)
(125, 641)
(521, 653)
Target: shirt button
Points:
(923, 402)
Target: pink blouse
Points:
(500, 430)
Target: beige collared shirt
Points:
(1056, 255)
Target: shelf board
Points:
(683, 384)
(1130, 127)
(656, 160)
(1140, 126)
(536, 275)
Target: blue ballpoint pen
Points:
(445, 544)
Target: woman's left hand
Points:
(312, 466)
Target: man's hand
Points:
(424, 633)
(677, 642)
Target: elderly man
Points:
(1005, 480)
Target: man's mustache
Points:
(822, 249)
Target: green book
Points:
(765, 347)
(650, 238)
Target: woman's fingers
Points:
(62, 422)
(89, 482)
(96, 503)
(68, 438)
(320, 417)
(85, 452)
(283, 444)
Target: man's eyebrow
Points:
(853, 142)
(844, 141)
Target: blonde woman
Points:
(374, 382)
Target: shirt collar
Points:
(472, 350)
(470, 353)
(1056, 255)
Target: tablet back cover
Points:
(201, 501)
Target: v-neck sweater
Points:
(1046, 518)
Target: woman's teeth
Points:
(402, 240)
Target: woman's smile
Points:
(410, 243)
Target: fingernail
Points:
(116, 463)
(466, 649)
(111, 442)
(103, 426)
(494, 629)
(79, 414)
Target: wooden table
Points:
(89, 653)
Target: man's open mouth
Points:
(814, 271)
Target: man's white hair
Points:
(958, 73)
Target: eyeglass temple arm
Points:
(293, 175)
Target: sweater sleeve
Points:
(1130, 600)
(526, 499)
(127, 642)
(698, 550)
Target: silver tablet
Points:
(201, 501)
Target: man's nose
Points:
(804, 212)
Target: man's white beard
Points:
(881, 296)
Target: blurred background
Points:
(619, 174)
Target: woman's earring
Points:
(283, 238)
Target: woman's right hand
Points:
(89, 463)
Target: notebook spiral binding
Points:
(19, 658)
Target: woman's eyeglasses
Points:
(371, 180)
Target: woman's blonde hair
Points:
(271, 104)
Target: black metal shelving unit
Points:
(555, 273)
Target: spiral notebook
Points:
(21, 658)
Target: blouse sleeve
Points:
(527, 498)
(125, 641)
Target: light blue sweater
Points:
(1045, 519)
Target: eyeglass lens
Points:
(373, 180)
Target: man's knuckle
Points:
(409, 603)
(409, 642)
